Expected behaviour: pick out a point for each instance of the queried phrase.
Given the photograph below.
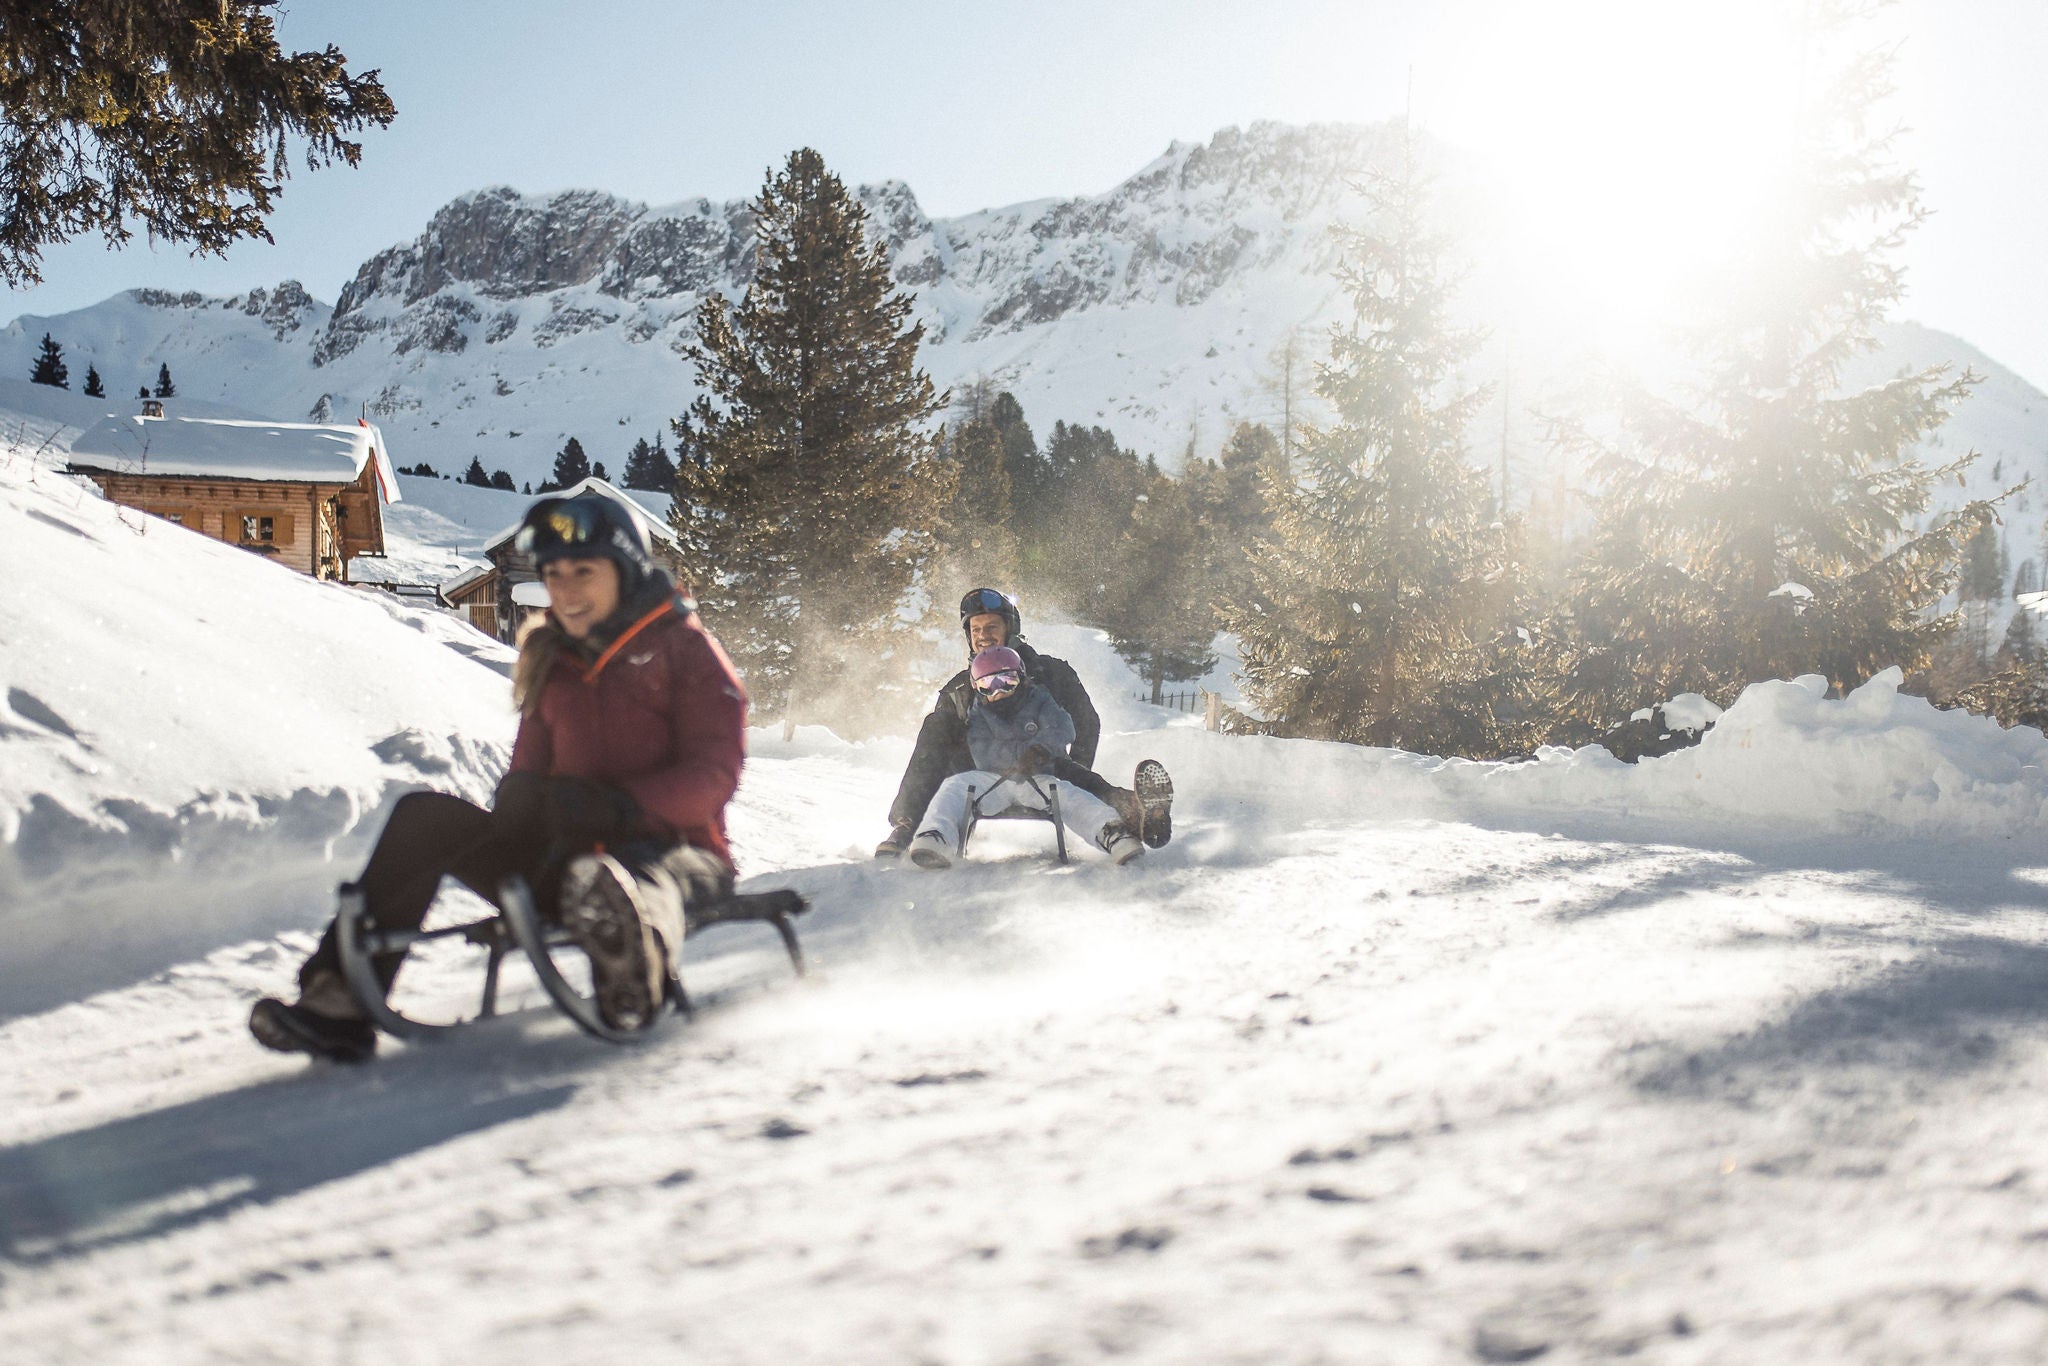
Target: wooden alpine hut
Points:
(309, 495)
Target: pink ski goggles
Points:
(1001, 683)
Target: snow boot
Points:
(929, 851)
(1119, 843)
(1155, 793)
(325, 1022)
(898, 841)
(1128, 808)
(628, 966)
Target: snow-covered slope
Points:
(1732, 1055)
(191, 734)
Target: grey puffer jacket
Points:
(998, 738)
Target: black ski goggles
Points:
(979, 600)
(563, 525)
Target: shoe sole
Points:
(1155, 794)
(924, 856)
(275, 1027)
(600, 911)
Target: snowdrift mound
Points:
(194, 741)
(1784, 760)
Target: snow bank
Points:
(193, 741)
(1783, 760)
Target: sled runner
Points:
(1050, 792)
(544, 943)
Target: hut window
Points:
(189, 518)
(264, 528)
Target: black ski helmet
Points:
(980, 601)
(589, 526)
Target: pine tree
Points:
(1761, 529)
(1158, 604)
(1378, 598)
(502, 479)
(1021, 462)
(2022, 645)
(980, 520)
(94, 388)
(1089, 492)
(49, 368)
(809, 496)
(164, 387)
(176, 116)
(648, 468)
(1983, 574)
(475, 473)
(1250, 458)
(572, 467)
(1234, 502)
(323, 409)
(143, 392)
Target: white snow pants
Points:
(952, 806)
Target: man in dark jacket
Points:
(1014, 730)
(988, 618)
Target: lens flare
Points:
(1628, 141)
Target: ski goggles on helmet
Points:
(561, 523)
(570, 528)
(999, 684)
(979, 600)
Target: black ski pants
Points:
(433, 835)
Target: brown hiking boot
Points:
(1129, 809)
(628, 966)
(897, 842)
(325, 1022)
(1155, 793)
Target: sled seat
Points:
(519, 926)
(977, 812)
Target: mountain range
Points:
(1188, 298)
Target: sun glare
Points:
(1628, 142)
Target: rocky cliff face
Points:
(1198, 217)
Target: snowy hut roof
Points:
(653, 525)
(222, 448)
(468, 578)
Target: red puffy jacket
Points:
(660, 714)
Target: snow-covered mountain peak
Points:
(514, 321)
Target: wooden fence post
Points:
(1212, 717)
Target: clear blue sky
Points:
(980, 104)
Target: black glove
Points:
(579, 809)
(1035, 759)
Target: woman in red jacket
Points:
(631, 735)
